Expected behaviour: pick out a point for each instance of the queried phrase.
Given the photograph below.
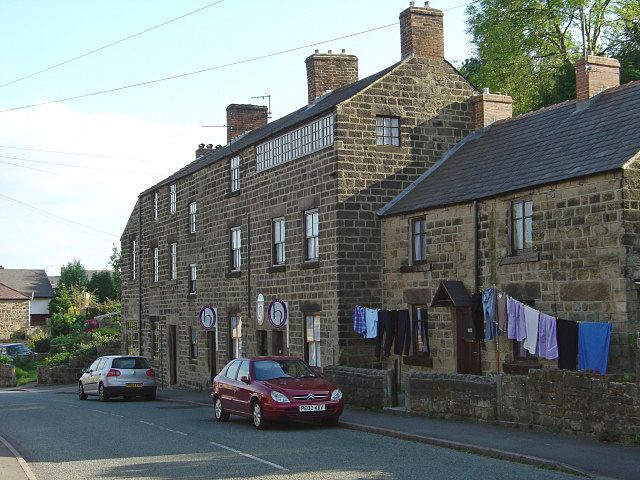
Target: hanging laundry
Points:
(423, 332)
(547, 338)
(403, 333)
(477, 315)
(516, 324)
(531, 319)
(593, 346)
(489, 311)
(502, 311)
(567, 335)
(386, 333)
(359, 322)
(371, 319)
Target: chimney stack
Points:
(595, 74)
(421, 32)
(490, 107)
(203, 149)
(243, 118)
(330, 71)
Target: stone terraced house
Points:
(287, 210)
(546, 206)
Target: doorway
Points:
(212, 352)
(173, 353)
(277, 342)
(262, 343)
(468, 348)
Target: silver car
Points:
(118, 376)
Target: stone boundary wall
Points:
(7, 375)
(598, 406)
(363, 387)
(71, 373)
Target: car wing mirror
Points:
(244, 379)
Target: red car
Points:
(268, 389)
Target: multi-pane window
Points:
(295, 144)
(193, 208)
(234, 176)
(173, 198)
(388, 131)
(421, 333)
(193, 343)
(312, 340)
(173, 259)
(312, 247)
(236, 247)
(192, 278)
(155, 340)
(236, 336)
(521, 225)
(278, 241)
(134, 251)
(418, 240)
(155, 205)
(133, 339)
(156, 263)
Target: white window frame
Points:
(173, 261)
(156, 263)
(234, 174)
(387, 131)
(312, 340)
(193, 210)
(155, 205)
(173, 197)
(193, 276)
(279, 241)
(235, 325)
(311, 235)
(134, 248)
(236, 249)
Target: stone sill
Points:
(310, 265)
(520, 368)
(521, 258)
(233, 274)
(388, 148)
(277, 269)
(416, 267)
(418, 361)
(233, 194)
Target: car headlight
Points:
(336, 394)
(279, 397)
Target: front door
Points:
(262, 343)
(173, 353)
(468, 347)
(211, 349)
(277, 342)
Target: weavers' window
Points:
(133, 338)
(173, 198)
(312, 340)
(193, 343)
(234, 174)
(312, 247)
(235, 327)
(134, 248)
(420, 331)
(192, 279)
(156, 263)
(278, 241)
(193, 208)
(155, 205)
(388, 131)
(173, 259)
(521, 225)
(418, 240)
(236, 249)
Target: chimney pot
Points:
(210, 145)
(317, 51)
(595, 74)
(201, 145)
(329, 71)
(485, 90)
(329, 52)
(490, 107)
(411, 4)
(426, 4)
(243, 118)
(421, 32)
(344, 50)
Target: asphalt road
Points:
(63, 438)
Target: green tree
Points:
(73, 274)
(101, 284)
(625, 41)
(61, 302)
(116, 263)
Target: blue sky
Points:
(136, 137)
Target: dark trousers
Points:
(386, 333)
(403, 333)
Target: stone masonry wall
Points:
(14, 316)
(7, 375)
(369, 388)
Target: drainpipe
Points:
(139, 276)
(476, 269)
(248, 268)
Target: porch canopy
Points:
(451, 293)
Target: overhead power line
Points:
(90, 52)
(196, 72)
(57, 164)
(72, 153)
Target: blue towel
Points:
(593, 346)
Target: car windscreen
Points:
(17, 349)
(130, 363)
(271, 369)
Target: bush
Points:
(63, 324)
(4, 359)
(61, 358)
(18, 336)
(104, 335)
(85, 351)
(40, 343)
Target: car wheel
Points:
(81, 394)
(220, 414)
(102, 394)
(331, 422)
(258, 416)
(152, 396)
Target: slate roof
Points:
(308, 112)
(7, 293)
(565, 141)
(27, 281)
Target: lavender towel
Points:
(548, 337)
(516, 329)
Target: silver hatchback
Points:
(118, 376)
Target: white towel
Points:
(531, 317)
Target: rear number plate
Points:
(135, 385)
(311, 408)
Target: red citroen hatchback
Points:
(270, 389)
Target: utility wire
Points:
(56, 217)
(66, 164)
(90, 52)
(91, 180)
(208, 69)
(96, 155)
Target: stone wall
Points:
(7, 375)
(14, 316)
(58, 375)
(363, 387)
(597, 406)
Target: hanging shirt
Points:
(516, 328)
(593, 346)
(371, 319)
(547, 338)
(501, 299)
(531, 318)
(359, 322)
(488, 309)
(477, 316)
(567, 334)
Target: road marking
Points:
(106, 413)
(164, 428)
(252, 457)
(25, 467)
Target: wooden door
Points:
(262, 343)
(277, 342)
(173, 353)
(468, 357)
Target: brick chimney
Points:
(421, 32)
(243, 118)
(203, 149)
(594, 75)
(330, 71)
(490, 107)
